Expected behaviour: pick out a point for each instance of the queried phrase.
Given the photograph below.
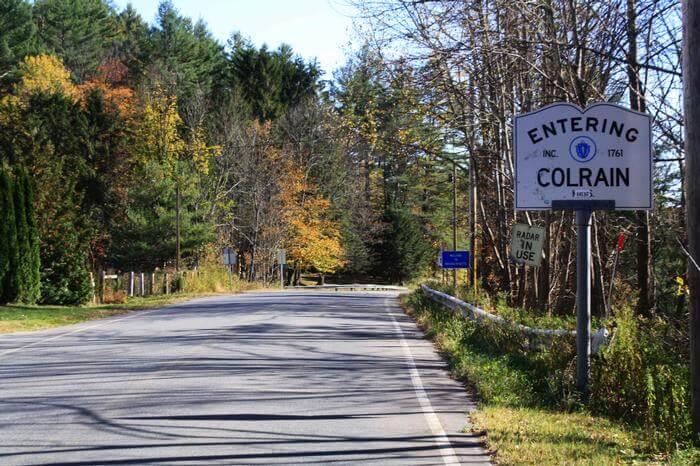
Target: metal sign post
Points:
(583, 160)
(282, 260)
(583, 300)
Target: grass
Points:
(523, 426)
(23, 318)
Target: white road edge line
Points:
(81, 329)
(448, 454)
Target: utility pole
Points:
(691, 104)
(177, 226)
(472, 221)
(454, 220)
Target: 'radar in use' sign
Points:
(563, 153)
(526, 244)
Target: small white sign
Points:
(563, 153)
(526, 244)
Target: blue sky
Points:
(314, 28)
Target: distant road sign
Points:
(602, 153)
(526, 244)
(455, 259)
(230, 256)
(281, 257)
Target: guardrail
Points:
(543, 336)
(352, 287)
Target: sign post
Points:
(281, 260)
(579, 160)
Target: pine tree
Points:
(8, 236)
(26, 280)
(18, 37)
(78, 31)
(404, 252)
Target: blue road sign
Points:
(455, 259)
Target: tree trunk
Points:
(691, 103)
(643, 240)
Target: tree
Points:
(44, 74)
(8, 233)
(18, 37)
(269, 81)
(312, 239)
(403, 253)
(78, 31)
(28, 270)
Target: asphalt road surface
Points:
(261, 378)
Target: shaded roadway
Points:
(259, 378)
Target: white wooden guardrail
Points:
(469, 311)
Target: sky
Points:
(318, 29)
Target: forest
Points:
(130, 143)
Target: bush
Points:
(638, 379)
(8, 238)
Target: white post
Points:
(131, 283)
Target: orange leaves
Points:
(312, 240)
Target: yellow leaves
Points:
(158, 132)
(45, 74)
(199, 151)
(311, 240)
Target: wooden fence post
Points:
(103, 286)
(153, 283)
(167, 283)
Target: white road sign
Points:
(526, 244)
(564, 153)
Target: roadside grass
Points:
(24, 318)
(521, 427)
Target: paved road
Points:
(265, 378)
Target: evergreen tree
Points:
(8, 238)
(403, 251)
(269, 81)
(18, 37)
(78, 31)
(27, 281)
(185, 52)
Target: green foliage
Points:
(8, 233)
(26, 283)
(639, 379)
(18, 37)
(65, 280)
(403, 251)
(270, 81)
(184, 51)
(78, 31)
(146, 238)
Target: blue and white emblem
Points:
(582, 149)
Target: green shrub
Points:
(8, 238)
(638, 379)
